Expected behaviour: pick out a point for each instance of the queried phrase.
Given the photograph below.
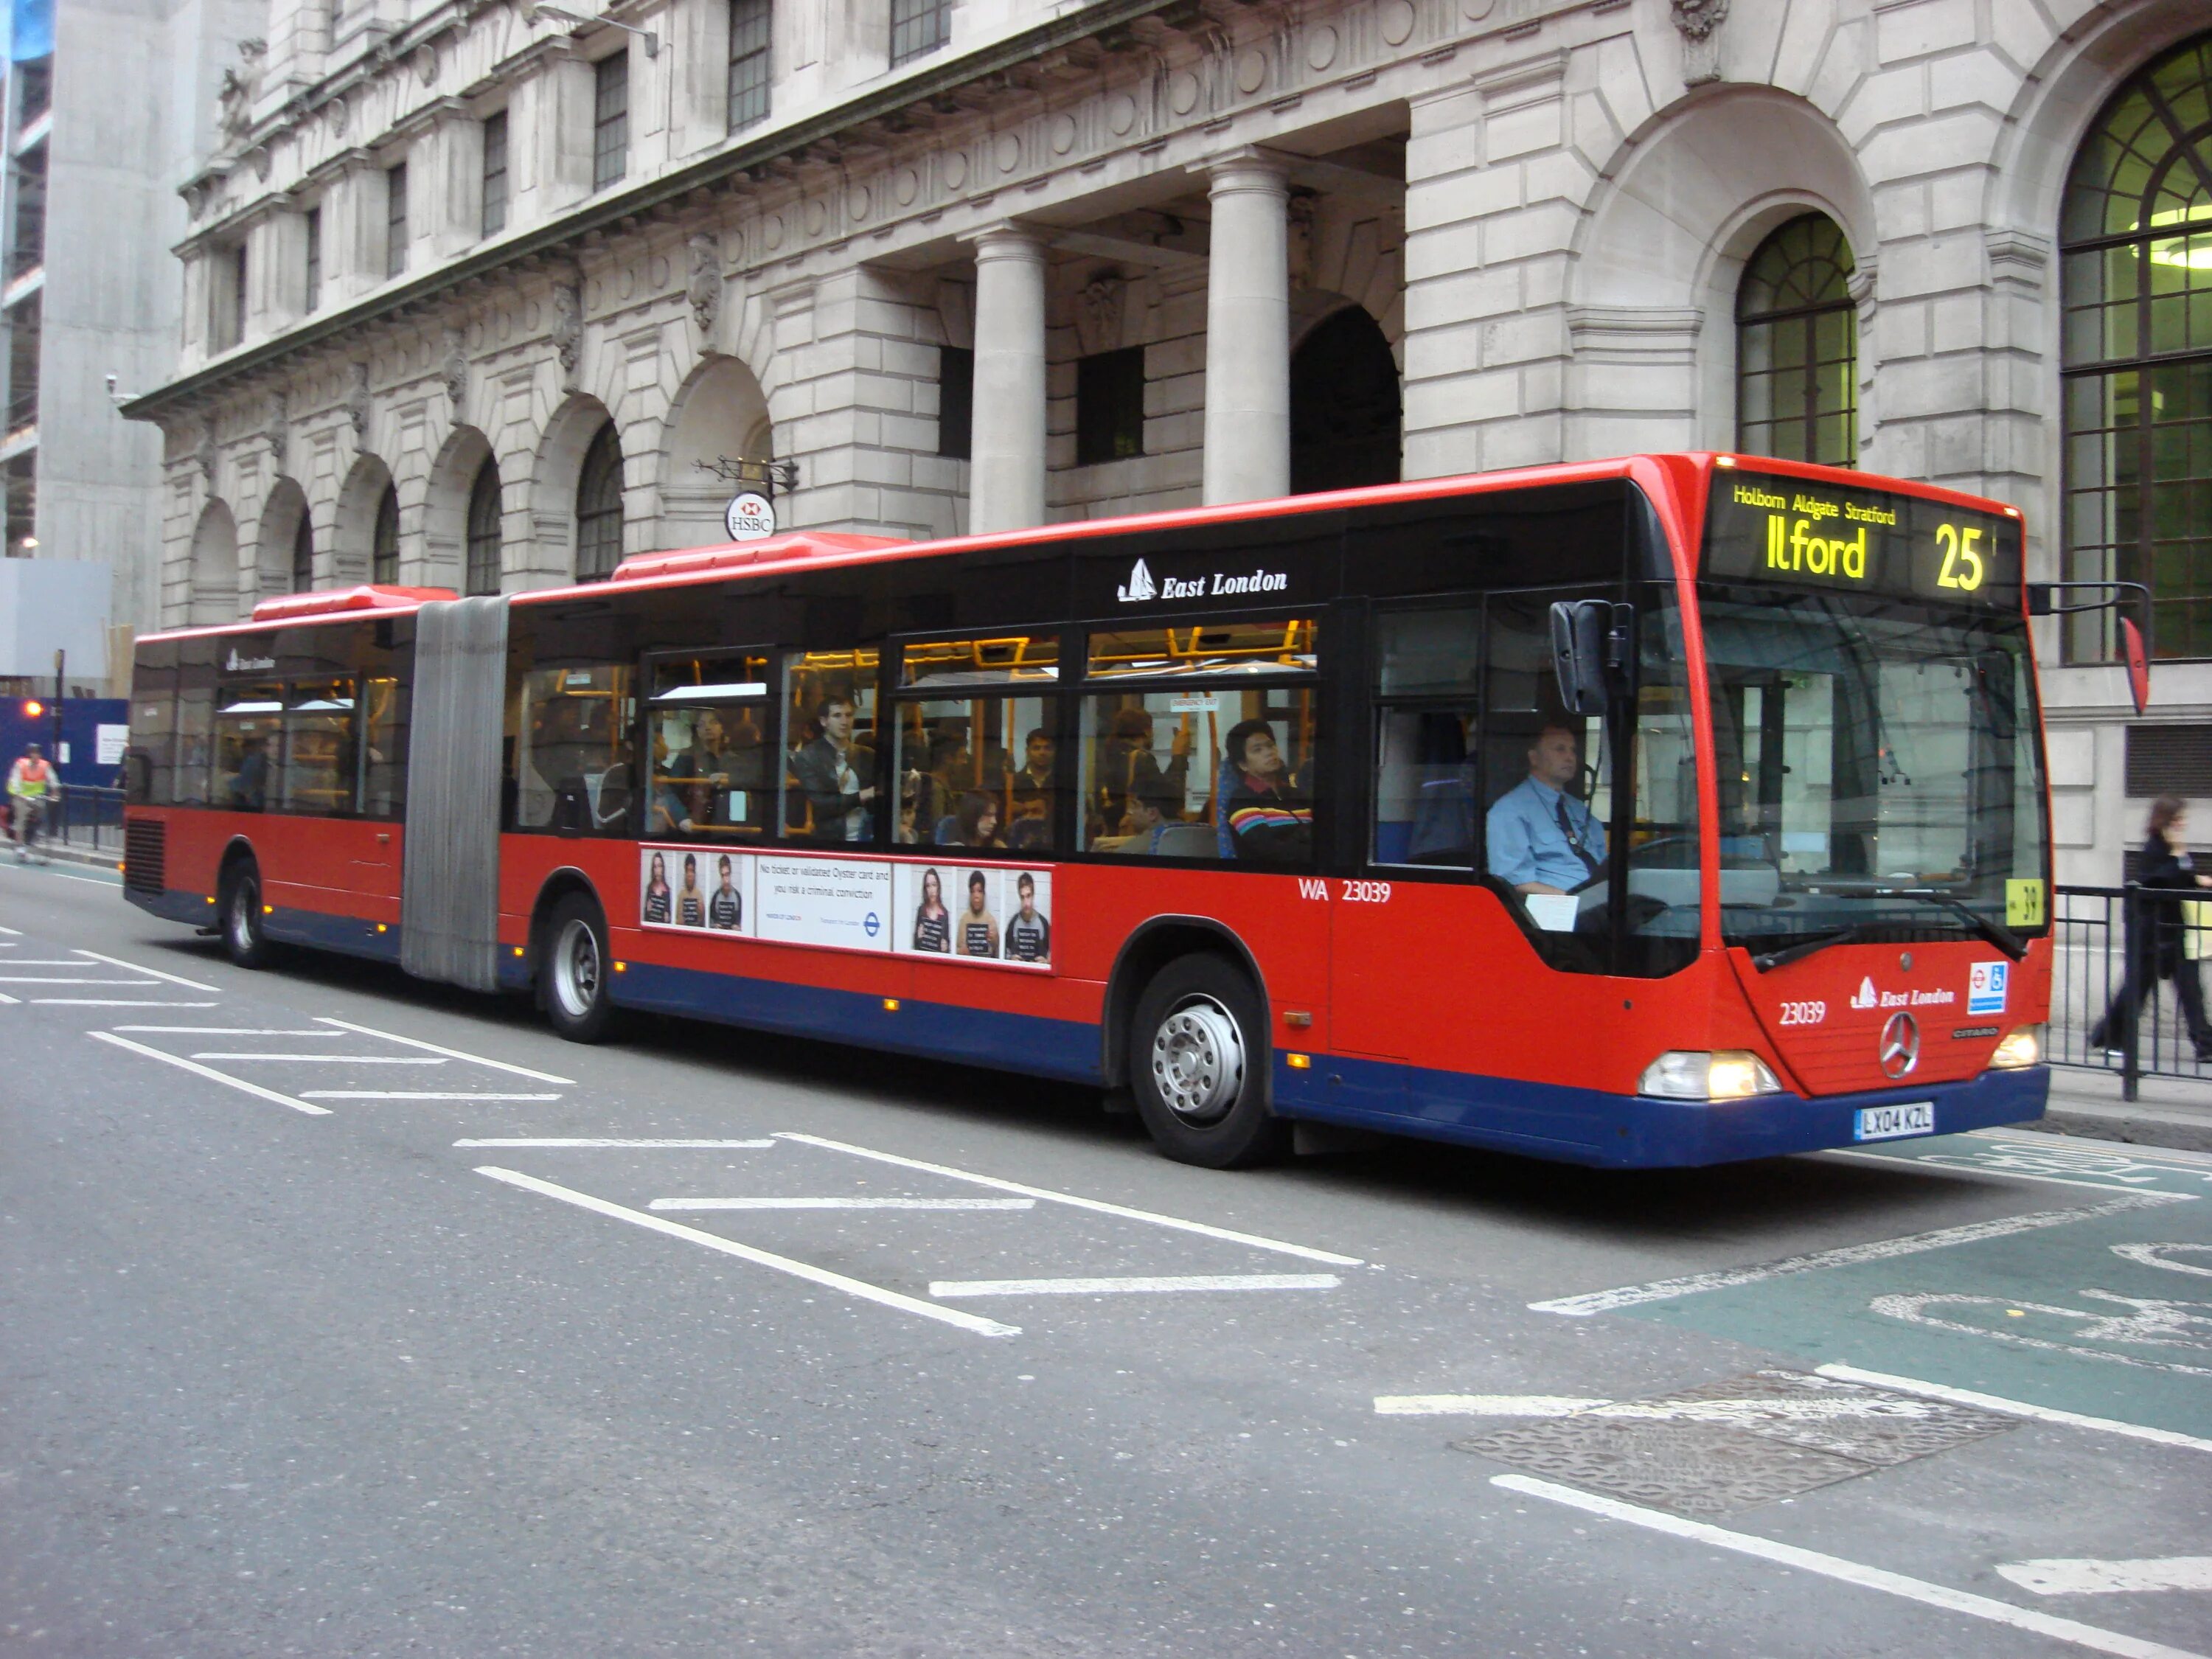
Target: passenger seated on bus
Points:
(1127, 766)
(1271, 821)
(829, 771)
(1028, 826)
(1542, 839)
(699, 787)
(249, 785)
(1152, 811)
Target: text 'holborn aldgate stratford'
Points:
(482, 297)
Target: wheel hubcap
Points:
(242, 903)
(1198, 1061)
(577, 969)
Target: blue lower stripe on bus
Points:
(175, 904)
(1063, 1048)
(351, 935)
(1609, 1131)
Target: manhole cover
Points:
(1728, 1445)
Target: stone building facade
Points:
(483, 296)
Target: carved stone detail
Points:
(241, 86)
(1699, 23)
(704, 290)
(1098, 310)
(206, 453)
(278, 430)
(454, 371)
(568, 328)
(357, 401)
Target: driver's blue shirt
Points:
(1526, 842)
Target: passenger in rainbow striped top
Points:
(1272, 821)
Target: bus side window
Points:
(384, 786)
(1428, 799)
(571, 754)
(1147, 784)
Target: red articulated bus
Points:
(1653, 811)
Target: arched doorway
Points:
(1346, 409)
(215, 566)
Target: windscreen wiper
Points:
(1995, 931)
(1767, 961)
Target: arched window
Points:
(384, 551)
(1796, 347)
(2136, 236)
(599, 508)
(1346, 411)
(484, 530)
(303, 553)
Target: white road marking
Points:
(843, 1204)
(407, 1094)
(450, 1053)
(173, 979)
(52, 979)
(2082, 1146)
(589, 1144)
(1482, 1405)
(10, 1000)
(1849, 1572)
(2093, 1577)
(2154, 1255)
(1969, 1168)
(210, 1072)
(117, 1002)
(2014, 1407)
(45, 961)
(221, 1031)
(12, 933)
(1098, 1205)
(58, 876)
(813, 1275)
(326, 1059)
(2155, 1320)
(1883, 1249)
(965, 1287)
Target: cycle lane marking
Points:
(1856, 1573)
(1846, 1373)
(1589, 1303)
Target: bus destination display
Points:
(1768, 529)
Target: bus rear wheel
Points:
(1197, 1067)
(572, 970)
(243, 938)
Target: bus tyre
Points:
(572, 976)
(1198, 1066)
(244, 940)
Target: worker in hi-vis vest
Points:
(32, 786)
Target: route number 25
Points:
(1962, 562)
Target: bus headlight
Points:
(2023, 1046)
(1694, 1075)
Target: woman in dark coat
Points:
(2154, 949)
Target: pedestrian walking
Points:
(2156, 944)
(32, 786)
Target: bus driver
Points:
(1542, 839)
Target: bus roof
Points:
(1685, 471)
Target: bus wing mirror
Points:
(2131, 643)
(1592, 646)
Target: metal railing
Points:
(85, 817)
(2137, 1024)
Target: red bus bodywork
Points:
(1425, 1011)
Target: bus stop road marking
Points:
(597, 1144)
(1099, 1206)
(450, 1053)
(327, 1060)
(782, 1264)
(173, 979)
(221, 1031)
(1666, 1290)
(114, 1002)
(407, 1094)
(1844, 1373)
(2096, 1639)
(2089, 1577)
(956, 1288)
(843, 1204)
(211, 1073)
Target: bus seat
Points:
(947, 833)
(1188, 840)
(1393, 840)
(1224, 786)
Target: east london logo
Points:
(1867, 997)
(239, 664)
(1141, 585)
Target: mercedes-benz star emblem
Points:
(1900, 1045)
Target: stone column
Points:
(1247, 331)
(1005, 473)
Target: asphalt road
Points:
(307, 1349)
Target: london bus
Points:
(1662, 811)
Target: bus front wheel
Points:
(1198, 1064)
(573, 974)
(243, 938)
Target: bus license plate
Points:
(1888, 1122)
